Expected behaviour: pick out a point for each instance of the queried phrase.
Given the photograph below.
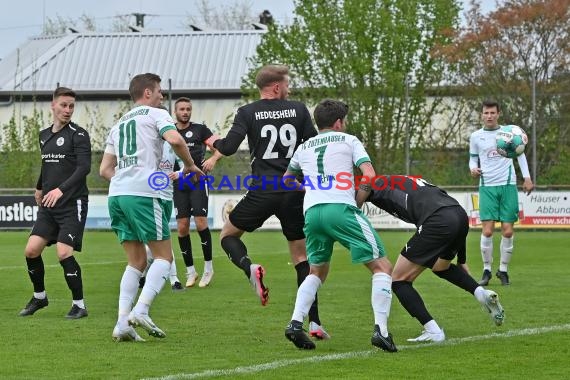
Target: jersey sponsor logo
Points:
(60, 141)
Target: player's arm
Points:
(365, 188)
(179, 146)
(528, 186)
(230, 144)
(38, 192)
(208, 165)
(82, 150)
(473, 159)
(108, 164)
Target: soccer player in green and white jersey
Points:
(498, 196)
(139, 214)
(332, 215)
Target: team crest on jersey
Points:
(188, 134)
(164, 165)
(60, 141)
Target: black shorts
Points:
(62, 225)
(257, 206)
(442, 235)
(190, 203)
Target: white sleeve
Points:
(473, 154)
(359, 154)
(524, 166)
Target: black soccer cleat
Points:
(485, 278)
(294, 332)
(504, 277)
(76, 312)
(34, 305)
(385, 343)
(177, 287)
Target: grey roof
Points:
(103, 63)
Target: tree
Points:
(60, 25)
(498, 55)
(363, 52)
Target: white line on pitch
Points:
(355, 354)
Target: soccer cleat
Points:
(427, 336)
(76, 312)
(380, 341)
(317, 331)
(206, 278)
(485, 278)
(34, 305)
(144, 321)
(127, 335)
(494, 307)
(192, 278)
(256, 280)
(504, 277)
(294, 333)
(177, 287)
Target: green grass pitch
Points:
(222, 331)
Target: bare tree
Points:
(234, 16)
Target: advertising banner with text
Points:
(544, 209)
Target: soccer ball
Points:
(511, 141)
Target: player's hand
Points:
(193, 169)
(51, 198)
(476, 173)
(528, 186)
(38, 197)
(174, 176)
(208, 165)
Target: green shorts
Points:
(330, 222)
(499, 203)
(138, 218)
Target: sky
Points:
(21, 19)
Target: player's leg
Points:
(508, 216)
(290, 215)
(69, 239)
(353, 230)
(182, 207)
(200, 213)
(488, 213)
(319, 251)
(249, 214)
(33, 253)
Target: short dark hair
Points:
(63, 91)
(141, 82)
(489, 103)
(182, 99)
(269, 74)
(328, 111)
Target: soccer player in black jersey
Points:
(442, 227)
(62, 196)
(194, 202)
(274, 127)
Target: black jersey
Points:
(412, 200)
(274, 129)
(195, 136)
(66, 161)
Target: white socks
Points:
(506, 253)
(487, 252)
(127, 293)
(381, 300)
(208, 267)
(155, 278)
(305, 297)
(432, 327)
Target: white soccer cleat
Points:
(192, 278)
(206, 278)
(317, 331)
(144, 321)
(427, 336)
(127, 335)
(493, 306)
